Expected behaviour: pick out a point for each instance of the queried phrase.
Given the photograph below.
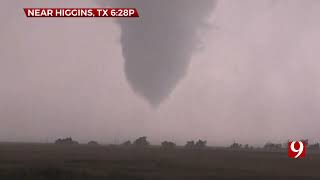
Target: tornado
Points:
(158, 46)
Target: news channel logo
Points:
(297, 149)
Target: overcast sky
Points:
(256, 78)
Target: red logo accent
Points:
(296, 149)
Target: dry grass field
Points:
(79, 162)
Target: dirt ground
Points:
(49, 161)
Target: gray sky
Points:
(254, 79)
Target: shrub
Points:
(127, 143)
(66, 141)
(201, 144)
(93, 143)
(168, 144)
(190, 144)
(315, 146)
(236, 146)
(141, 141)
(272, 146)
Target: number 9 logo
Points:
(296, 152)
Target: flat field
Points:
(79, 162)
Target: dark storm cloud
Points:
(158, 46)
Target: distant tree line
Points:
(200, 144)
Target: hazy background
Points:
(255, 78)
